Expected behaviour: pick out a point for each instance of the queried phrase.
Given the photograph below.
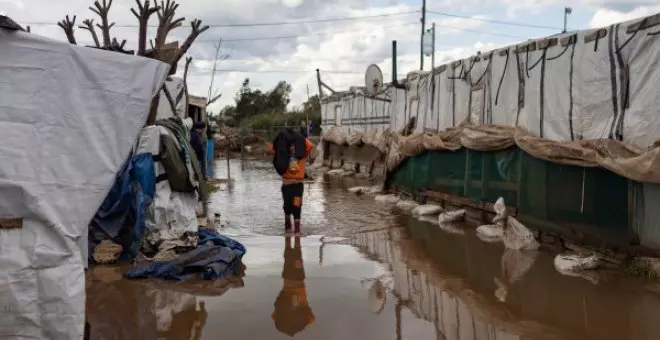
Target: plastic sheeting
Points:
(68, 120)
(122, 216)
(174, 213)
(176, 89)
(216, 256)
(566, 87)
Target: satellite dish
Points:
(373, 79)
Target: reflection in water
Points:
(292, 312)
(125, 310)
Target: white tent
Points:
(69, 116)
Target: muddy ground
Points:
(368, 274)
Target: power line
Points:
(500, 22)
(224, 70)
(280, 23)
(299, 36)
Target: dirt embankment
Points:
(253, 143)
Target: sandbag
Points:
(451, 228)
(494, 232)
(427, 209)
(406, 206)
(381, 141)
(490, 233)
(574, 262)
(354, 139)
(444, 140)
(451, 216)
(391, 199)
(518, 237)
(394, 156)
(413, 145)
(335, 135)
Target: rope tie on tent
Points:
(499, 86)
(521, 87)
(542, 60)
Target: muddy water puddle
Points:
(360, 272)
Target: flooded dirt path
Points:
(360, 272)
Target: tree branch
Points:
(185, 83)
(170, 100)
(143, 14)
(102, 11)
(68, 26)
(89, 25)
(197, 29)
(211, 99)
(166, 21)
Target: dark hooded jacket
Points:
(281, 146)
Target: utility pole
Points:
(433, 47)
(307, 113)
(421, 38)
(567, 11)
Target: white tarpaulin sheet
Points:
(69, 116)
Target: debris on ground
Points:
(451, 216)
(427, 209)
(215, 256)
(340, 173)
(107, 252)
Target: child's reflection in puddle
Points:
(292, 312)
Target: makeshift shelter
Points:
(565, 128)
(69, 118)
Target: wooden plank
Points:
(11, 223)
(440, 69)
(647, 22)
(598, 34)
(547, 43)
(569, 40)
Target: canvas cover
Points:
(69, 118)
(586, 98)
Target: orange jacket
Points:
(298, 175)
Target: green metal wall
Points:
(590, 199)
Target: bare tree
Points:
(102, 10)
(166, 23)
(218, 57)
(143, 14)
(68, 26)
(89, 25)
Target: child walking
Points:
(290, 150)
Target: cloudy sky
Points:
(272, 40)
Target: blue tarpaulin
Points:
(215, 256)
(210, 155)
(121, 216)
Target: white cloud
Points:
(605, 17)
(341, 47)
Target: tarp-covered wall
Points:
(591, 84)
(579, 99)
(68, 119)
